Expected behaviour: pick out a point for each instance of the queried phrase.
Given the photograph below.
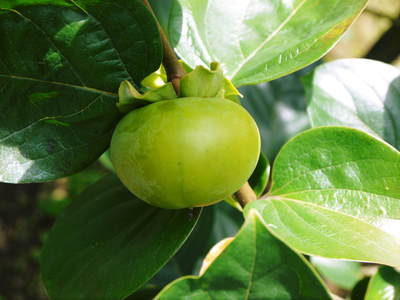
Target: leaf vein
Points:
(268, 39)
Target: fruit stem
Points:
(245, 195)
(171, 63)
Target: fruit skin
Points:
(185, 152)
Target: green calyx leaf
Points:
(203, 82)
(130, 98)
(156, 79)
(200, 82)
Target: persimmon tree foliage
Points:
(77, 76)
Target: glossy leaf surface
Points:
(336, 193)
(260, 267)
(58, 97)
(258, 40)
(359, 93)
(108, 243)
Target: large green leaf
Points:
(336, 193)
(108, 243)
(60, 68)
(162, 10)
(359, 93)
(256, 265)
(216, 223)
(258, 40)
(279, 108)
(384, 285)
(221, 221)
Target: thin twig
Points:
(171, 63)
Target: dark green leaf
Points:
(145, 293)
(108, 243)
(279, 108)
(258, 40)
(384, 285)
(56, 196)
(336, 193)
(162, 10)
(359, 93)
(216, 223)
(256, 265)
(359, 291)
(58, 97)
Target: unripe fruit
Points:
(186, 152)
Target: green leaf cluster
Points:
(333, 191)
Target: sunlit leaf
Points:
(61, 63)
(336, 193)
(258, 40)
(359, 93)
(108, 243)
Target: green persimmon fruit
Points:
(186, 152)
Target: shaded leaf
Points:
(57, 195)
(360, 290)
(336, 193)
(162, 10)
(58, 98)
(259, 179)
(258, 40)
(108, 243)
(279, 108)
(256, 265)
(216, 222)
(359, 93)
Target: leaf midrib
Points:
(57, 83)
(333, 189)
(267, 40)
(2, 139)
(303, 174)
(340, 213)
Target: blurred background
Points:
(27, 212)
